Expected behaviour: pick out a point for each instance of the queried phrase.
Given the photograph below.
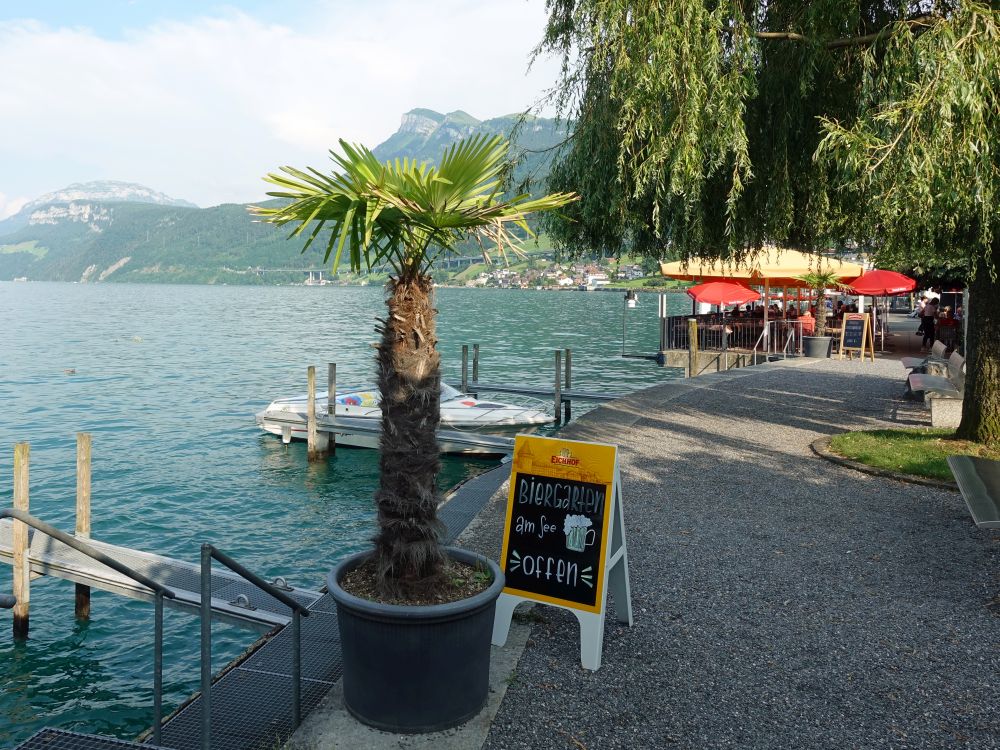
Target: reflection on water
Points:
(167, 379)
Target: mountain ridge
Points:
(128, 232)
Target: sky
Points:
(200, 99)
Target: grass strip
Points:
(922, 452)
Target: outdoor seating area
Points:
(728, 332)
(784, 292)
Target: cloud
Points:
(200, 109)
(10, 206)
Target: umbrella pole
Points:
(767, 309)
(885, 319)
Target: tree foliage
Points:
(712, 127)
(698, 122)
(404, 213)
(921, 156)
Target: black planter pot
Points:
(817, 347)
(413, 669)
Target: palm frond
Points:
(404, 212)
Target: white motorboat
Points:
(468, 425)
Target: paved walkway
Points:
(781, 601)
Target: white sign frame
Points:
(616, 580)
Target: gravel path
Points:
(781, 601)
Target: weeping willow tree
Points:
(712, 127)
(407, 215)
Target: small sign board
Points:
(564, 537)
(856, 335)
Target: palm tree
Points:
(820, 281)
(407, 215)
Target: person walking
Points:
(919, 310)
(928, 318)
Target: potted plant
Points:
(410, 664)
(819, 344)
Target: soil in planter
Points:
(460, 581)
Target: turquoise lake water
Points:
(167, 380)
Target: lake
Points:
(167, 379)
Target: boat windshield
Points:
(448, 393)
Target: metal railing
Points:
(790, 342)
(208, 552)
(159, 590)
(724, 333)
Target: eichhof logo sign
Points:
(565, 458)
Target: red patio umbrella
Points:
(722, 293)
(882, 284)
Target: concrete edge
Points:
(821, 447)
(330, 726)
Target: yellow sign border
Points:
(609, 510)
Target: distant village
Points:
(582, 275)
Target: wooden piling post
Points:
(692, 347)
(83, 442)
(331, 403)
(316, 443)
(558, 390)
(465, 368)
(569, 382)
(22, 565)
(475, 366)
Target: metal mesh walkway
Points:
(50, 557)
(251, 703)
(59, 739)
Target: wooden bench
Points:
(943, 394)
(979, 482)
(939, 353)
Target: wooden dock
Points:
(450, 441)
(543, 392)
(255, 609)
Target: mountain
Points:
(424, 135)
(118, 231)
(97, 191)
(107, 191)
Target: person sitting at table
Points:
(808, 323)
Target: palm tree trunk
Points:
(821, 312)
(407, 547)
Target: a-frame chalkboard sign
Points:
(564, 538)
(856, 335)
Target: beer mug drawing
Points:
(578, 533)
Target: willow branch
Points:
(853, 41)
